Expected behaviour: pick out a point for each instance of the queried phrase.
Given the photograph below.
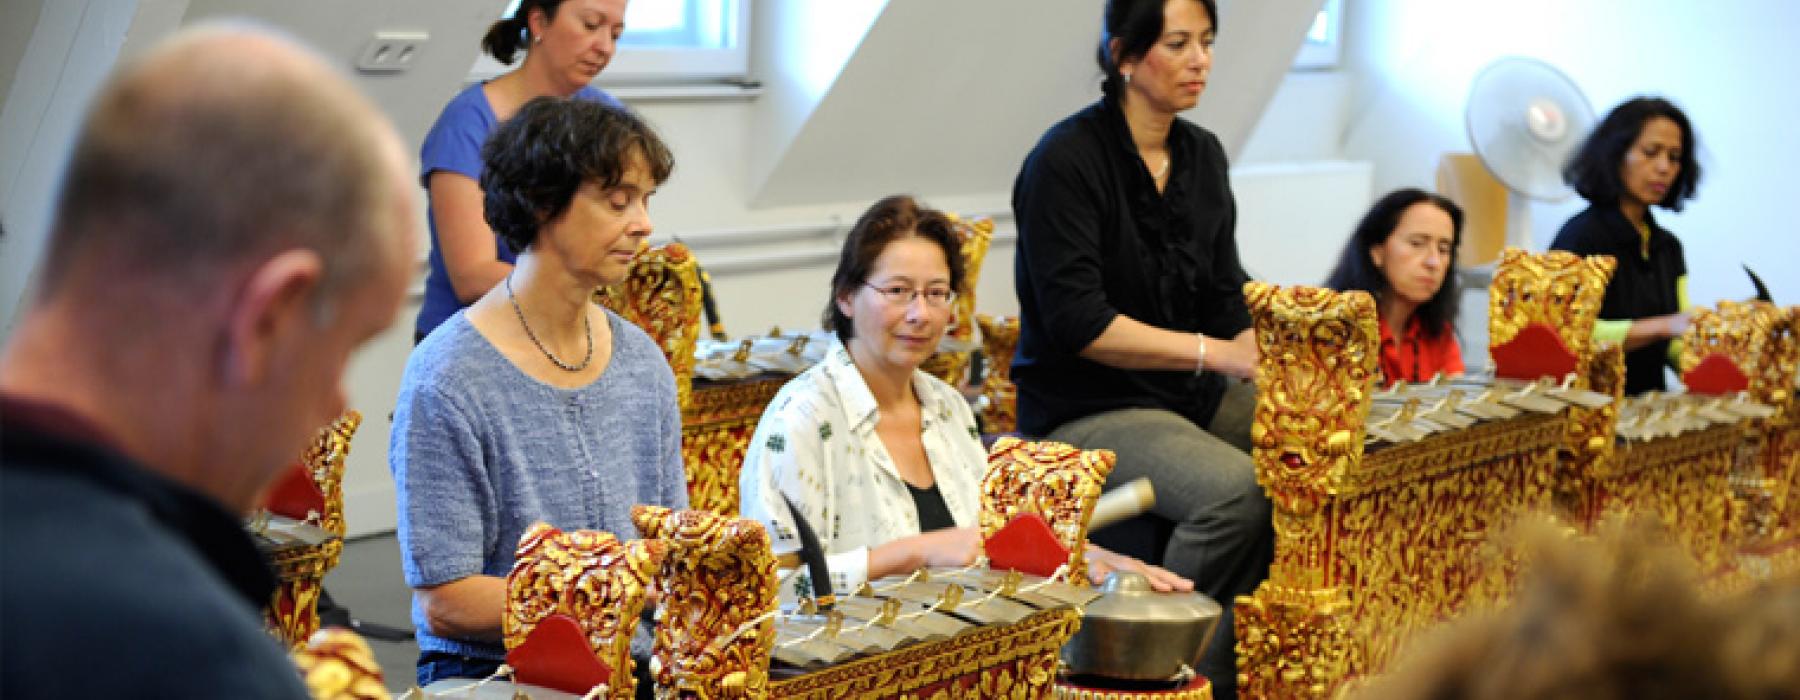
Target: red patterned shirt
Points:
(1415, 357)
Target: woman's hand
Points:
(956, 546)
(1102, 561)
(1650, 329)
(949, 547)
(1235, 358)
(1675, 324)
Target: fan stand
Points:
(1518, 221)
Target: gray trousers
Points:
(1223, 537)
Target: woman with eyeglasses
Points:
(882, 460)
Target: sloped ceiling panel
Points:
(947, 96)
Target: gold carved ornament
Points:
(1370, 546)
(1319, 359)
(1000, 397)
(590, 576)
(714, 630)
(1200, 689)
(1684, 484)
(1785, 449)
(661, 294)
(1058, 482)
(293, 610)
(1318, 365)
(1754, 336)
(973, 235)
(715, 433)
(1760, 340)
(1746, 335)
(324, 459)
(336, 664)
(1015, 662)
(1559, 289)
(1563, 291)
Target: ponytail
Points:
(505, 37)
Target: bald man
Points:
(236, 219)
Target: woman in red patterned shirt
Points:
(1403, 253)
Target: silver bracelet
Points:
(1200, 366)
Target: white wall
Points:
(772, 263)
(72, 45)
(1728, 64)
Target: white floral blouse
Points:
(817, 445)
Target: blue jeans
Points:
(435, 666)
(1224, 536)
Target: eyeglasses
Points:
(901, 295)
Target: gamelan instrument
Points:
(984, 631)
(1388, 501)
(300, 529)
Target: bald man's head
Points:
(236, 221)
(220, 145)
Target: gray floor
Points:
(368, 582)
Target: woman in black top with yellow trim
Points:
(1642, 154)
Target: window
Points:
(1320, 50)
(667, 41)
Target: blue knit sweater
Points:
(480, 451)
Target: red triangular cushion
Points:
(1537, 351)
(1026, 544)
(556, 655)
(294, 494)
(1715, 375)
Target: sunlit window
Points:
(1320, 50)
(668, 41)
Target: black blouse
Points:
(934, 514)
(1097, 240)
(1641, 286)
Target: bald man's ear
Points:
(272, 307)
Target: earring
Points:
(1127, 77)
(537, 40)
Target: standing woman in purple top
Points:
(565, 43)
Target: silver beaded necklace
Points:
(585, 324)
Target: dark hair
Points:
(889, 220)
(1136, 24)
(1356, 270)
(533, 163)
(1594, 170)
(505, 37)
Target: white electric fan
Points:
(1525, 119)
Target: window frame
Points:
(1323, 55)
(650, 65)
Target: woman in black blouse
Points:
(1134, 333)
(1642, 154)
